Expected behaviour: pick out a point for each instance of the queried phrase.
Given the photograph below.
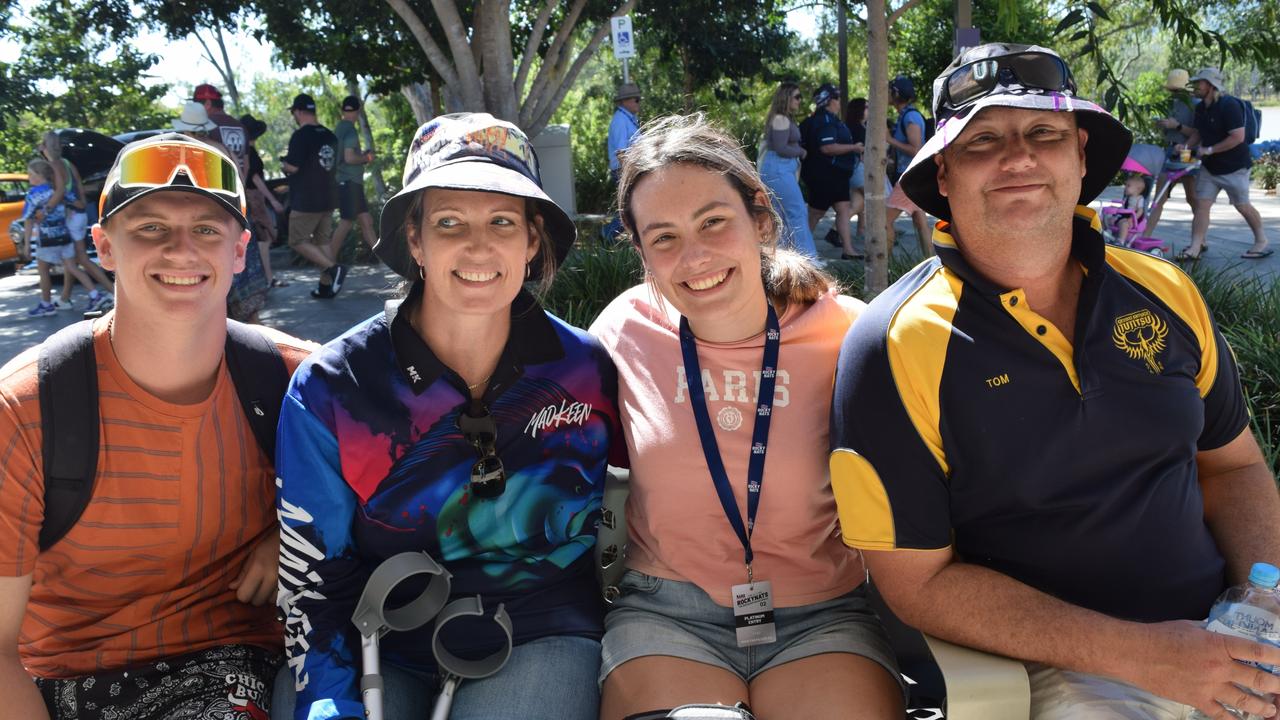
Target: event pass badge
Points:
(753, 613)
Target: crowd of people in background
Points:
(942, 439)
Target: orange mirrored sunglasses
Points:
(158, 164)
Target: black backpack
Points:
(68, 378)
(1252, 122)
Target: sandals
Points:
(1257, 254)
(1184, 256)
(279, 282)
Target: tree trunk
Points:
(419, 97)
(873, 225)
(221, 62)
(366, 140)
(842, 45)
(689, 86)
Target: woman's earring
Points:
(528, 270)
(422, 274)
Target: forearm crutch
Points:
(453, 669)
(373, 619)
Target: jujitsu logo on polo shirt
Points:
(1142, 335)
(732, 386)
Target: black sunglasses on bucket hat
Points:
(1009, 80)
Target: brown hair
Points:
(546, 247)
(788, 276)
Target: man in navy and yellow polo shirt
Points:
(1039, 441)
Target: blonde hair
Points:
(546, 246)
(42, 168)
(781, 104)
(788, 276)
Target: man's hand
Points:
(257, 582)
(1181, 661)
(1168, 123)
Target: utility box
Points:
(555, 160)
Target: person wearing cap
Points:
(905, 141)
(311, 164)
(155, 604)
(1217, 138)
(623, 126)
(1176, 128)
(1039, 441)
(725, 356)
(830, 155)
(464, 422)
(352, 205)
(229, 131)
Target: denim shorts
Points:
(654, 616)
(544, 679)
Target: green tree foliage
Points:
(72, 73)
(732, 40)
(920, 41)
(1223, 33)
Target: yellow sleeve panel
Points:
(862, 501)
(918, 338)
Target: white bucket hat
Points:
(194, 118)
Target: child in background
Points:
(1136, 187)
(55, 242)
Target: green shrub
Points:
(1247, 310)
(1266, 171)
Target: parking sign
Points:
(624, 41)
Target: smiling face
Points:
(473, 248)
(174, 254)
(701, 245)
(1013, 174)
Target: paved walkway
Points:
(1228, 237)
(294, 311)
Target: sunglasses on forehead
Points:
(980, 78)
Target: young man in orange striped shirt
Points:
(155, 604)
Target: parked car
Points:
(128, 137)
(13, 192)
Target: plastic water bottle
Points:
(1250, 611)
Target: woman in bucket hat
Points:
(464, 422)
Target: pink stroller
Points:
(1148, 161)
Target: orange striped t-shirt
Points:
(182, 494)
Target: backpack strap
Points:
(261, 379)
(68, 379)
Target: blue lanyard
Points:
(759, 435)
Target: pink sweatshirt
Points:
(677, 527)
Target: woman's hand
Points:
(257, 582)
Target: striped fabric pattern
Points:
(183, 493)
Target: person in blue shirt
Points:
(384, 429)
(623, 126)
(905, 141)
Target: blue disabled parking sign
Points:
(623, 39)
